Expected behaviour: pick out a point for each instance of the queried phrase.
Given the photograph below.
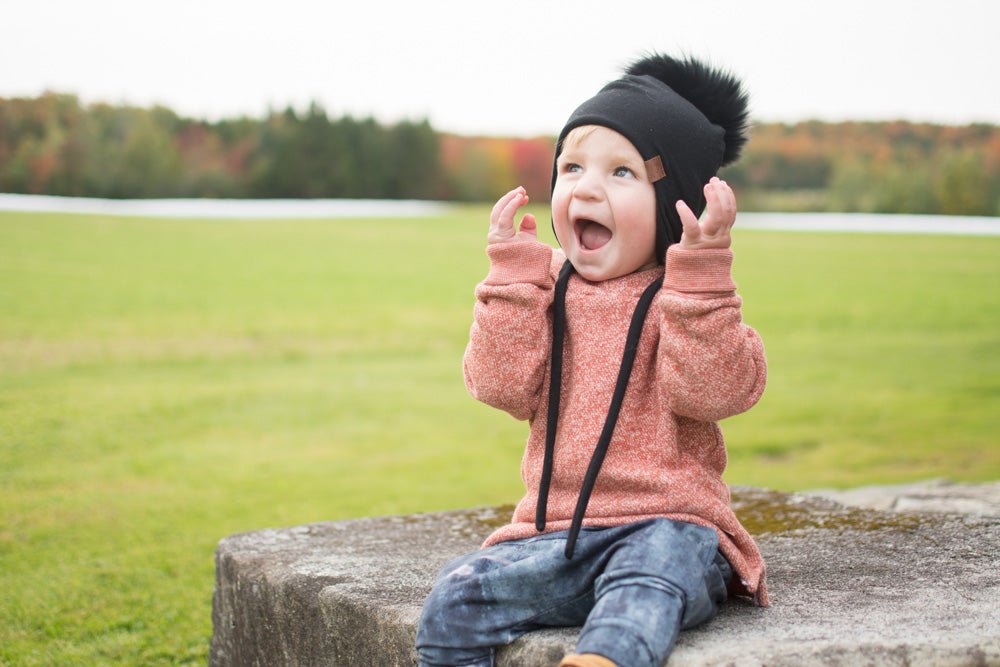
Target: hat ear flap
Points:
(718, 94)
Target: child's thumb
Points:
(528, 225)
(688, 220)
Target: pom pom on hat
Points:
(716, 93)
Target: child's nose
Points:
(588, 187)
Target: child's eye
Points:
(623, 172)
(571, 167)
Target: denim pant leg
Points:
(664, 576)
(490, 597)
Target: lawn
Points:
(165, 383)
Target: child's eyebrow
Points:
(624, 159)
(619, 159)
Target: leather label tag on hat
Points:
(654, 169)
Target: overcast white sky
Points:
(515, 67)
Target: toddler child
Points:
(623, 351)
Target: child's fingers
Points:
(502, 223)
(726, 198)
(507, 213)
(495, 213)
(502, 203)
(529, 226)
(720, 206)
(711, 194)
(712, 231)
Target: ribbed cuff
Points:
(520, 262)
(703, 270)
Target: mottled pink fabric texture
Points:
(697, 363)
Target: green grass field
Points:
(166, 383)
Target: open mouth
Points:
(592, 235)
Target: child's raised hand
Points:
(502, 219)
(712, 231)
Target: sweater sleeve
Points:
(711, 364)
(510, 341)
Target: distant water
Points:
(871, 223)
(227, 208)
(354, 208)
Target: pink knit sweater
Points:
(697, 363)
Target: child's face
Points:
(603, 205)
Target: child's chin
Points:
(593, 265)
(593, 273)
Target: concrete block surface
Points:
(848, 586)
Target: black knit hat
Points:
(685, 118)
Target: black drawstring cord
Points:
(628, 359)
(555, 385)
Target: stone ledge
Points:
(935, 495)
(848, 587)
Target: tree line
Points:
(880, 167)
(54, 144)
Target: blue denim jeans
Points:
(632, 587)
